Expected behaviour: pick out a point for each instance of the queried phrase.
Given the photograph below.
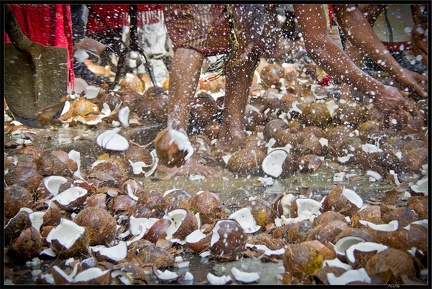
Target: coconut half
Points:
(343, 244)
(69, 198)
(111, 140)
(93, 275)
(246, 220)
(362, 248)
(182, 224)
(68, 238)
(53, 183)
(272, 163)
(198, 241)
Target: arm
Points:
(357, 29)
(331, 58)
(418, 38)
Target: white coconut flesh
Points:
(111, 140)
(337, 263)
(370, 148)
(166, 275)
(218, 280)
(349, 276)
(363, 247)
(423, 223)
(353, 197)
(53, 183)
(344, 243)
(246, 220)
(344, 159)
(36, 219)
(272, 163)
(374, 175)
(76, 157)
(188, 276)
(244, 277)
(137, 225)
(115, 253)
(130, 192)
(215, 235)
(390, 227)
(68, 196)
(176, 217)
(90, 274)
(62, 273)
(195, 237)
(66, 233)
(308, 207)
(92, 91)
(123, 116)
(286, 202)
(182, 142)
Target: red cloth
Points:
(47, 24)
(115, 15)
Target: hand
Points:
(394, 105)
(414, 81)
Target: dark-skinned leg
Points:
(184, 74)
(239, 72)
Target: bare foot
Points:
(230, 141)
(196, 165)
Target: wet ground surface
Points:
(233, 190)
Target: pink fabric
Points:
(47, 24)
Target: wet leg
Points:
(239, 73)
(185, 69)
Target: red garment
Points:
(115, 15)
(47, 24)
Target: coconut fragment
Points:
(166, 275)
(353, 197)
(244, 277)
(112, 140)
(66, 233)
(349, 276)
(363, 247)
(182, 142)
(337, 263)
(123, 116)
(218, 280)
(390, 227)
(272, 163)
(115, 253)
(246, 220)
(53, 183)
